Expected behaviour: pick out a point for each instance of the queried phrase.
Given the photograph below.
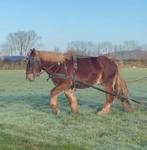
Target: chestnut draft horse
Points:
(90, 70)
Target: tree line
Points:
(93, 49)
(20, 42)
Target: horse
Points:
(91, 70)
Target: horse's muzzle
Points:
(30, 77)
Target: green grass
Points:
(26, 121)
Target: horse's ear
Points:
(33, 52)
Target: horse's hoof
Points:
(56, 112)
(74, 113)
(129, 110)
(102, 113)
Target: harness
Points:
(65, 76)
(75, 68)
(34, 61)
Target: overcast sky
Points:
(61, 21)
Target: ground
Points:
(26, 121)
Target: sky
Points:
(59, 22)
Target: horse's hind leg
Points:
(109, 99)
(126, 105)
(72, 100)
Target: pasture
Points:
(26, 121)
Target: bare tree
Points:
(21, 41)
(106, 47)
(130, 45)
(83, 48)
(6, 49)
(144, 47)
(56, 49)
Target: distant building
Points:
(12, 58)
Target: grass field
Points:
(26, 121)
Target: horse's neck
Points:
(50, 67)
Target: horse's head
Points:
(33, 67)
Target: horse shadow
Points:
(41, 102)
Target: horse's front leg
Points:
(72, 100)
(53, 101)
(54, 95)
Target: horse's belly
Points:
(92, 79)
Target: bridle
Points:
(33, 63)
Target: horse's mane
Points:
(54, 56)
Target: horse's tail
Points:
(120, 84)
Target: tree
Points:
(21, 41)
(130, 45)
(83, 48)
(105, 47)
